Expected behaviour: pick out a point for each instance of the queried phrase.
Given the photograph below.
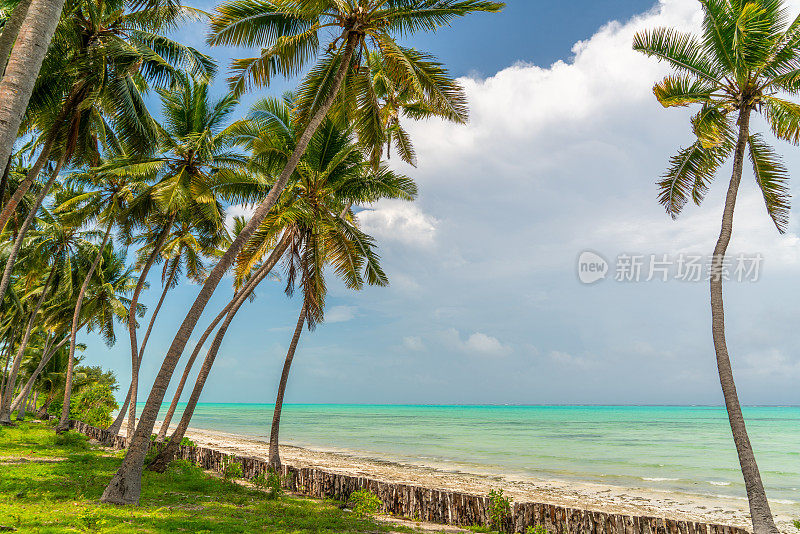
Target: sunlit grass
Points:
(53, 484)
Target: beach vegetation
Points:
(57, 488)
(796, 523)
(499, 509)
(744, 61)
(364, 503)
(94, 405)
(231, 469)
(536, 529)
(270, 482)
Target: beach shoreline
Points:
(569, 493)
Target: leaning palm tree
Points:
(196, 170)
(745, 60)
(289, 33)
(314, 209)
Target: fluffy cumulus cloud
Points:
(558, 159)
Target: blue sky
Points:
(485, 306)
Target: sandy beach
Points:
(635, 501)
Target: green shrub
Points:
(796, 523)
(538, 529)
(363, 503)
(231, 469)
(186, 442)
(73, 440)
(499, 509)
(94, 405)
(270, 482)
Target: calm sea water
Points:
(687, 449)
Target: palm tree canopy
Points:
(747, 57)
(293, 34)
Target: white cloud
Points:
(476, 343)
(340, 314)
(392, 220)
(413, 343)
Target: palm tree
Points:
(332, 175)
(196, 170)
(23, 66)
(745, 60)
(289, 33)
(100, 61)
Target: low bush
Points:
(537, 529)
(231, 469)
(269, 482)
(94, 405)
(499, 509)
(363, 503)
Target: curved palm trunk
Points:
(11, 32)
(117, 424)
(125, 486)
(162, 432)
(23, 68)
(63, 423)
(163, 459)
(132, 325)
(12, 257)
(41, 161)
(760, 512)
(8, 393)
(274, 454)
(44, 361)
(9, 350)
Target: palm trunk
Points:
(167, 286)
(44, 361)
(162, 432)
(132, 324)
(125, 486)
(12, 257)
(163, 459)
(9, 350)
(117, 424)
(23, 68)
(44, 156)
(63, 423)
(760, 512)
(8, 392)
(11, 32)
(23, 409)
(274, 454)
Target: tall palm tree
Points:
(197, 169)
(332, 175)
(745, 60)
(289, 33)
(89, 94)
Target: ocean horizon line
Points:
(491, 405)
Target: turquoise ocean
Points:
(685, 449)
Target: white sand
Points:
(633, 501)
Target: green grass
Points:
(53, 484)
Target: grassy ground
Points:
(52, 483)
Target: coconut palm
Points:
(197, 169)
(89, 94)
(745, 60)
(289, 34)
(312, 220)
